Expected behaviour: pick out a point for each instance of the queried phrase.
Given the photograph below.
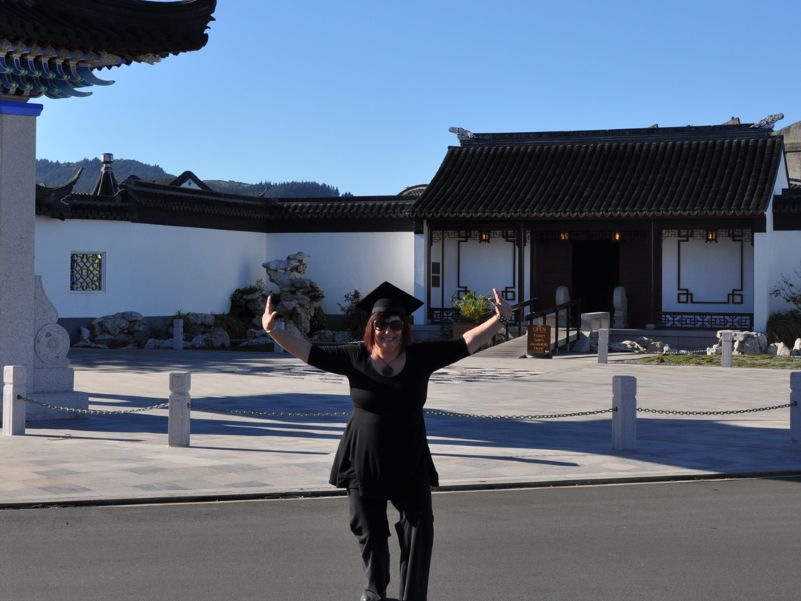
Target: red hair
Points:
(369, 330)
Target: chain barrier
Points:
(428, 412)
(707, 413)
(273, 413)
(441, 413)
(93, 411)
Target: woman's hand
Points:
(270, 315)
(502, 308)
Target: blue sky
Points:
(360, 94)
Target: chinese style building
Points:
(697, 224)
(54, 48)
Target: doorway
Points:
(596, 273)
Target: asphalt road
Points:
(706, 540)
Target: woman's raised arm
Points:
(297, 346)
(483, 332)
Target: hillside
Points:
(54, 173)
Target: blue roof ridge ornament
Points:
(51, 47)
(769, 121)
(461, 133)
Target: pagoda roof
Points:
(707, 171)
(172, 204)
(50, 47)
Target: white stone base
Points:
(73, 400)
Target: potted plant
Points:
(469, 310)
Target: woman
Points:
(384, 455)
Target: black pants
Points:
(415, 530)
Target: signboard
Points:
(539, 341)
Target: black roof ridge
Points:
(368, 198)
(650, 134)
(210, 194)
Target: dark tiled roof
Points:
(148, 195)
(787, 209)
(788, 202)
(655, 172)
(130, 29)
(147, 202)
(346, 207)
(186, 176)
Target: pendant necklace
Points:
(387, 370)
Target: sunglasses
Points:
(396, 325)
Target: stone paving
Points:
(125, 458)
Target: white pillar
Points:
(14, 385)
(178, 334)
(624, 417)
(726, 347)
(180, 409)
(17, 218)
(603, 345)
(795, 406)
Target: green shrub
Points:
(235, 327)
(239, 307)
(318, 320)
(353, 318)
(472, 307)
(784, 326)
(189, 325)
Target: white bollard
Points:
(178, 334)
(180, 409)
(14, 385)
(603, 345)
(726, 347)
(795, 406)
(624, 417)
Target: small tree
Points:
(471, 307)
(789, 292)
(352, 318)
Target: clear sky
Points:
(360, 94)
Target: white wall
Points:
(342, 262)
(481, 267)
(710, 271)
(776, 255)
(152, 269)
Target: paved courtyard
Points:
(117, 458)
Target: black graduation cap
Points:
(389, 298)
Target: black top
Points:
(384, 444)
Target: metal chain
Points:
(441, 413)
(732, 412)
(274, 413)
(92, 411)
(428, 412)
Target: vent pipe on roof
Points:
(106, 184)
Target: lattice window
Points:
(86, 272)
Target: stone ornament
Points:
(300, 296)
(51, 345)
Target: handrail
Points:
(570, 308)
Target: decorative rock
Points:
(299, 296)
(641, 344)
(745, 343)
(782, 350)
(204, 320)
(796, 350)
(336, 337)
(217, 338)
(113, 325)
(772, 348)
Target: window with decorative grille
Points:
(86, 272)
